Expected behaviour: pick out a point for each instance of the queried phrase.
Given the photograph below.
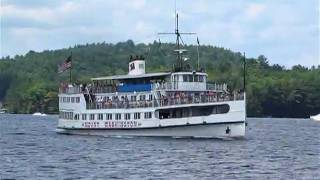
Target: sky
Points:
(285, 31)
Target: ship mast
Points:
(178, 49)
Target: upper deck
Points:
(138, 89)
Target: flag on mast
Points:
(67, 64)
(198, 41)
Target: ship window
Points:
(164, 114)
(150, 97)
(118, 116)
(196, 78)
(68, 99)
(76, 117)
(100, 116)
(131, 66)
(77, 99)
(133, 98)
(109, 116)
(142, 97)
(185, 78)
(69, 115)
(221, 109)
(136, 115)
(141, 66)
(148, 115)
(91, 116)
(190, 78)
(193, 111)
(84, 116)
(127, 116)
(72, 99)
(201, 78)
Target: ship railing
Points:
(162, 86)
(170, 86)
(217, 87)
(70, 89)
(120, 105)
(104, 89)
(75, 89)
(163, 101)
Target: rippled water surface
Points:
(273, 149)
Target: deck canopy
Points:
(127, 77)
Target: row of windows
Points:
(107, 116)
(193, 111)
(193, 78)
(69, 99)
(66, 115)
(117, 116)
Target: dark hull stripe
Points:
(159, 127)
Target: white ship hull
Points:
(231, 124)
(214, 130)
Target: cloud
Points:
(136, 4)
(281, 30)
(254, 10)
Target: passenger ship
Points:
(179, 103)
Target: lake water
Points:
(272, 149)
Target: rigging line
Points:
(182, 41)
(165, 33)
(187, 33)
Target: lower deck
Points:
(226, 113)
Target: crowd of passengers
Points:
(85, 88)
(117, 102)
(191, 98)
(175, 98)
(99, 87)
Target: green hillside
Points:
(29, 83)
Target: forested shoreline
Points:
(29, 83)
